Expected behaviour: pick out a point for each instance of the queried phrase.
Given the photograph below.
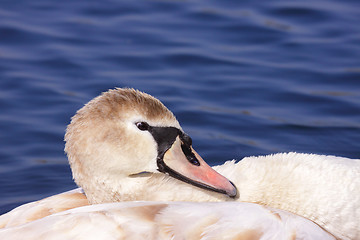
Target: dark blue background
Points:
(243, 77)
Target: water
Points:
(243, 77)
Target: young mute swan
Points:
(126, 146)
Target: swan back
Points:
(324, 189)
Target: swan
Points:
(133, 162)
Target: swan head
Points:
(125, 134)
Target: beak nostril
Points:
(194, 161)
(190, 155)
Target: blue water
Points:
(243, 77)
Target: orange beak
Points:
(184, 163)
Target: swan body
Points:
(125, 146)
(170, 220)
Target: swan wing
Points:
(36, 210)
(169, 220)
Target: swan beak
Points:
(184, 163)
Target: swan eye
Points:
(143, 126)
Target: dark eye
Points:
(143, 126)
